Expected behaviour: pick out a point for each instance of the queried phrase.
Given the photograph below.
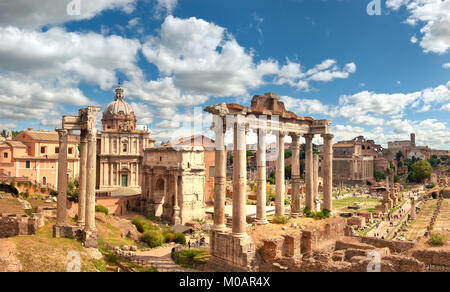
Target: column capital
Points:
(327, 136)
(309, 136)
(84, 136)
(92, 135)
(63, 134)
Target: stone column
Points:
(413, 209)
(279, 177)
(176, 208)
(239, 178)
(309, 171)
(261, 198)
(90, 181)
(61, 212)
(82, 179)
(315, 180)
(90, 236)
(327, 170)
(295, 192)
(220, 175)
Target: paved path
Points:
(160, 259)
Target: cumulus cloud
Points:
(165, 7)
(88, 57)
(446, 66)
(35, 14)
(434, 15)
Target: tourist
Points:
(189, 244)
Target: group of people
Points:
(197, 243)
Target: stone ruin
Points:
(267, 114)
(85, 229)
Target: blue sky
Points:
(381, 76)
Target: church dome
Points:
(118, 105)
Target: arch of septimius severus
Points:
(266, 114)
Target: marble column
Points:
(327, 170)
(61, 212)
(413, 209)
(279, 177)
(295, 175)
(315, 180)
(309, 171)
(176, 208)
(82, 179)
(261, 197)
(239, 178)
(220, 175)
(90, 181)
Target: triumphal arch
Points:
(267, 114)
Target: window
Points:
(70, 150)
(56, 150)
(5, 155)
(27, 164)
(211, 171)
(124, 147)
(42, 150)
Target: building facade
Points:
(174, 183)
(350, 165)
(120, 147)
(33, 156)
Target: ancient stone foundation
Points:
(230, 253)
(17, 224)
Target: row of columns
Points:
(240, 176)
(87, 176)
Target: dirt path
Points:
(8, 261)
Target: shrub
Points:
(101, 209)
(438, 239)
(169, 236)
(19, 184)
(280, 219)
(316, 215)
(191, 258)
(13, 183)
(43, 190)
(180, 238)
(152, 238)
(143, 225)
(53, 193)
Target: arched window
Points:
(44, 181)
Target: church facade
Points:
(120, 147)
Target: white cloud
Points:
(302, 106)
(414, 39)
(446, 66)
(88, 57)
(165, 7)
(446, 107)
(35, 14)
(435, 17)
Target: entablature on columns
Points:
(269, 114)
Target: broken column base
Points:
(90, 239)
(66, 231)
(230, 253)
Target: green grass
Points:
(191, 258)
(367, 204)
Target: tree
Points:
(398, 156)
(378, 176)
(434, 162)
(421, 170)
